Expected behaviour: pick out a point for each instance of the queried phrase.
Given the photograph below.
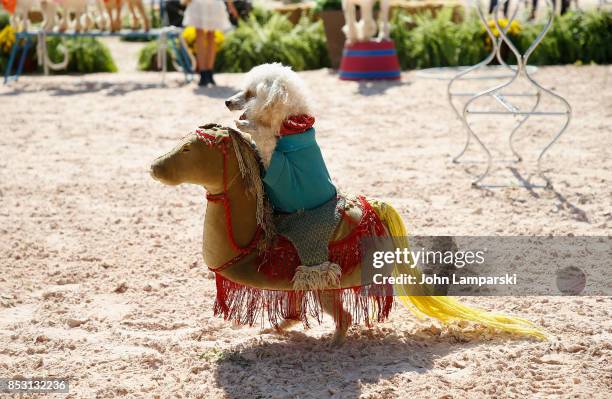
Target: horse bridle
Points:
(223, 197)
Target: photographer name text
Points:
(435, 279)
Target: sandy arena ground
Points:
(102, 281)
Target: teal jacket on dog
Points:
(297, 178)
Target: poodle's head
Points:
(270, 94)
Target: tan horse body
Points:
(192, 162)
(232, 226)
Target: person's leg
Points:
(200, 48)
(565, 5)
(211, 53)
(492, 5)
(534, 7)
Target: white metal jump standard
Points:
(520, 69)
(462, 75)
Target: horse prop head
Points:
(197, 159)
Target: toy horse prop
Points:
(254, 266)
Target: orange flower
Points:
(9, 5)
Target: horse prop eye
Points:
(185, 149)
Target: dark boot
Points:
(204, 79)
(211, 77)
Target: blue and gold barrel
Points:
(370, 60)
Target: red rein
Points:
(224, 199)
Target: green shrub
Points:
(4, 19)
(470, 38)
(275, 40)
(425, 41)
(574, 37)
(147, 58)
(325, 5)
(86, 55)
(264, 37)
(154, 18)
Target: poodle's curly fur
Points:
(270, 94)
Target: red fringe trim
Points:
(246, 305)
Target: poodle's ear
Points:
(277, 94)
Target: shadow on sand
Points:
(373, 87)
(378, 87)
(562, 203)
(303, 366)
(577, 213)
(73, 89)
(220, 92)
(115, 88)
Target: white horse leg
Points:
(368, 25)
(16, 21)
(49, 10)
(89, 22)
(85, 21)
(64, 16)
(26, 21)
(19, 19)
(100, 21)
(350, 27)
(383, 20)
(77, 20)
(85, 18)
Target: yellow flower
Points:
(515, 27)
(189, 34)
(7, 38)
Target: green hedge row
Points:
(583, 37)
(423, 41)
(265, 37)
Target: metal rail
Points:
(24, 40)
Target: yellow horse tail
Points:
(444, 308)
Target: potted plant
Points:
(333, 21)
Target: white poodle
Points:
(271, 93)
(277, 115)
